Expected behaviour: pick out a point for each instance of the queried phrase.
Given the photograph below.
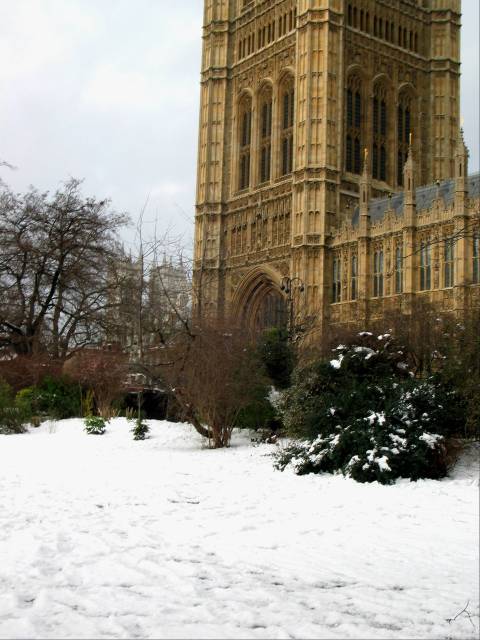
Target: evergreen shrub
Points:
(278, 357)
(12, 418)
(54, 397)
(140, 430)
(364, 415)
(95, 425)
(259, 413)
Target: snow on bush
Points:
(364, 415)
(95, 425)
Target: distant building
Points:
(320, 121)
(147, 304)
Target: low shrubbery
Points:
(53, 398)
(12, 417)
(259, 413)
(95, 425)
(363, 414)
(141, 429)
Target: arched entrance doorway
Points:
(259, 301)
(270, 312)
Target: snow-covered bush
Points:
(95, 425)
(364, 415)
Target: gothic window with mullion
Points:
(353, 277)
(448, 262)
(245, 133)
(399, 268)
(378, 273)
(404, 131)
(380, 125)
(265, 130)
(287, 118)
(476, 257)
(353, 128)
(337, 278)
(425, 265)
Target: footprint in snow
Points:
(183, 501)
(25, 601)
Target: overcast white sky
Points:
(108, 91)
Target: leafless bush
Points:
(212, 371)
(103, 371)
(26, 371)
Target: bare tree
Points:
(55, 276)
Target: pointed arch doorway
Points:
(259, 301)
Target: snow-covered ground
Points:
(104, 537)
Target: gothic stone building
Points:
(332, 174)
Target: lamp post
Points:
(287, 285)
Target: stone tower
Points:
(299, 98)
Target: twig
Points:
(464, 610)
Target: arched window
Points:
(353, 125)
(337, 279)
(287, 94)
(404, 129)
(448, 258)
(265, 134)
(425, 266)
(353, 277)
(380, 123)
(399, 269)
(476, 257)
(245, 138)
(378, 274)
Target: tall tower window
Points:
(404, 129)
(245, 113)
(353, 118)
(378, 274)
(380, 119)
(287, 118)
(425, 267)
(476, 258)
(265, 135)
(448, 253)
(337, 280)
(353, 277)
(399, 269)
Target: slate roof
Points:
(425, 198)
